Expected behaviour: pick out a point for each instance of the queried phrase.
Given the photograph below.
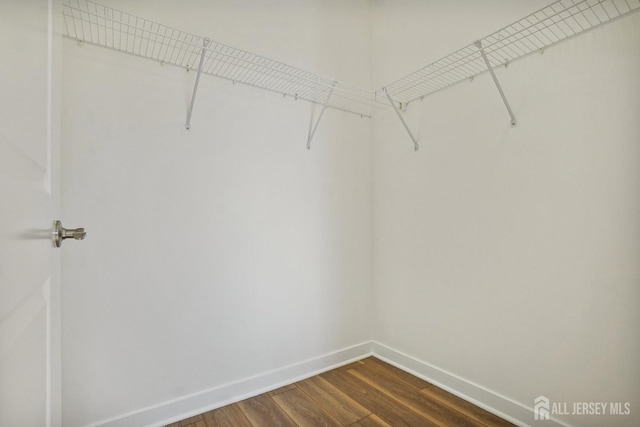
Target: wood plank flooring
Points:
(367, 393)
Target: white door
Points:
(29, 265)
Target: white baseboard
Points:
(487, 399)
(197, 403)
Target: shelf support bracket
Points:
(205, 44)
(324, 107)
(478, 44)
(393, 104)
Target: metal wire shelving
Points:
(533, 33)
(87, 21)
(559, 21)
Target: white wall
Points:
(509, 257)
(221, 253)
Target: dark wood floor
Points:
(362, 394)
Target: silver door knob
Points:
(60, 233)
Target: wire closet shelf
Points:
(91, 22)
(548, 26)
(87, 21)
